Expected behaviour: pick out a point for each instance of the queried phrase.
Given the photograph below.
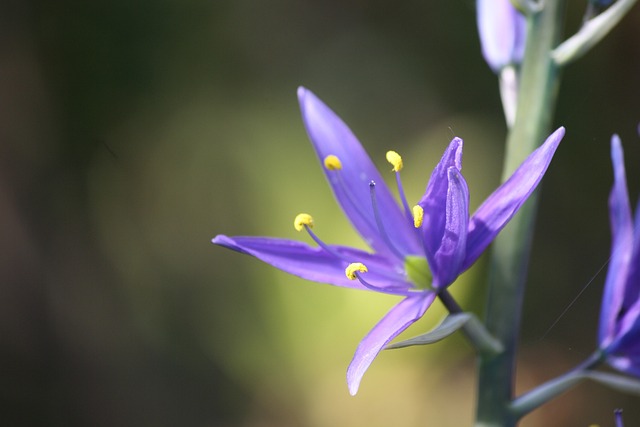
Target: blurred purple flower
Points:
(417, 251)
(502, 33)
(619, 332)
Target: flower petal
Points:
(624, 352)
(626, 364)
(632, 286)
(451, 253)
(315, 263)
(502, 32)
(633, 281)
(434, 201)
(392, 324)
(621, 248)
(331, 136)
(502, 205)
(626, 340)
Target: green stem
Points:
(510, 253)
(474, 330)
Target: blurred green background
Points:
(133, 132)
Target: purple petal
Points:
(632, 286)
(621, 248)
(626, 364)
(392, 324)
(315, 263)
(451, 254)
(507, 199)
(434, 201)
(624, 353)
(502, 32)
(633, 282)
(350, 185)
(627, 334)
(618, 412)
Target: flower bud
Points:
(502, 33)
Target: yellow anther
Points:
(302, 220)
(353, 268)
(418, 215)
(395, 160)
(332, 162)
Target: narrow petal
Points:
(315, 263)
(502, 205)
(621, 247)
(434, 201)
(451, 254)
(331, 136)
(633, 282)
(502, 32)
(632, 286)
(626, 364)
(392, 324)
(627, 333)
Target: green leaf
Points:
(449, 325)
(616, 382)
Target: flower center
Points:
(418, 270)
(416, 267)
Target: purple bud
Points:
(502, 33)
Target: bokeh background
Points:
(133, 132)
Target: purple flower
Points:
(619, 332)
(502, 33)
(416, 251)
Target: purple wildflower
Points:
(416, 251)
(502, 33)
(619, 332)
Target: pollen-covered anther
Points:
(395, 160)
(353, 268)
(418, 215)
(302, 220)
(332, 162)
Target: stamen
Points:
(332, 162)
(395, 160)
(376, 214)
(403, 198)
(302, 220)
(418, 216)
(353, 271)
(307, 222)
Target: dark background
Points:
(131, 133)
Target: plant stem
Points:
(547, 391)
(510, 253)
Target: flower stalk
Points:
(539, 81)
(547, 391)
